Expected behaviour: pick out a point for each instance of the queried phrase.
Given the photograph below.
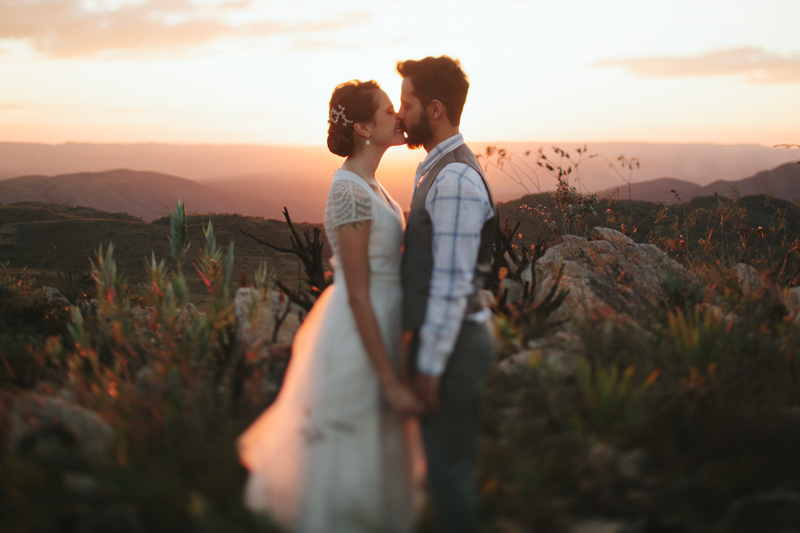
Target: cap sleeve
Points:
(348, 202)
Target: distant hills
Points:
(298, 176)
(782, 182)
(149, 195)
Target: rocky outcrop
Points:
(555, 354)
(608, 277)
(55, 296)
(53, 429)
(755, 284)
(791, 299)
(256, 319)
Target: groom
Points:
(447, 260)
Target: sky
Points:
(262, 71)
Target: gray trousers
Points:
(450, 436)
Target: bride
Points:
(334, 452)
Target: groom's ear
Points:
(436, 110)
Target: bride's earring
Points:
(367, 142)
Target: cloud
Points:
(752, 64)
(75, 28)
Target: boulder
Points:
(188, 312)
(56, 296)
(791, 299)
(753, 283)
(55, 430)
(609, 277)
(256, 316)
(554, 354)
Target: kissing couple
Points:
(401, 333)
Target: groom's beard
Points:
(419, 133)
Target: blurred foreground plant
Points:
(167, 378)
(611, 398)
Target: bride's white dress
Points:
(329, 455)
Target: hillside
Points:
(761, 210)
(299, 176)
(659, 190)
(148, 195)
(49, 237)
(782, 182)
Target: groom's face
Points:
(414, 119)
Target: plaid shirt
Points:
(458, 205)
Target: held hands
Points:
(428, 391)
(426, 387)
(402, 400)
(405, 357)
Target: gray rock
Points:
(55, 296)
(255, 320)
(753, 282)
(53, 430)
(189, 312)
(608, 278)
(555, 354)
(791, 299)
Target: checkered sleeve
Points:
(458, 205)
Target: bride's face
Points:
(386, 129)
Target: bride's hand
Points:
(405, 357)
(403, 401)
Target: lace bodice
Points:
(352, 200)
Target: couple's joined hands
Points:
(403, 400)
(420, 397)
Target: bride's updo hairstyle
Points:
(351, 102)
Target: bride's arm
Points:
(354, 260)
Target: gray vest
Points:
(417, 267)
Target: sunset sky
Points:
(261, 71)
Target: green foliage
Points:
(610, 398)
(705, 398)
(699, 336)
(712, 235)
(178, 232)
(167, 378)
(706, 386)
(681, 292)
(30, 328)
(702, 389)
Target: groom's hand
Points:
(428, 392)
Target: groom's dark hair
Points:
(438, 78)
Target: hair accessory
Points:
(334, 117)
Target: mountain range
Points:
(298, 176)
(151, 195)
(782, 182)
